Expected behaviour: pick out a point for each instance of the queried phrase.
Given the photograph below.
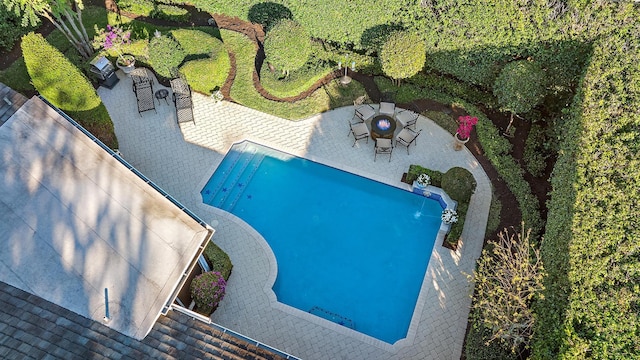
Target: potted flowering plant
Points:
(449, 216)
(207, 290)
(465, 125)
(423, 180)
(114, 37)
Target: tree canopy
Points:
(403, 55)
(520, 86)
(287, 46)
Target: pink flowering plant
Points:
(465, 125)
(114, 37)
(207, 290)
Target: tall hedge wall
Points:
(592, 242)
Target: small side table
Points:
(162, 94)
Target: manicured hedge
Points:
(591, 249)
(61, 83)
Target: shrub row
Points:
(66, 87)
(591, 248)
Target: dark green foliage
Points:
(520, 86)
(55, 77)
(403, 55)
(416, 170)
(287, 46)
(218, 259)
(458, 182)
(170, 12)
(375, 37)
(535, 156)
(476, 347)
(166, 55)
(268, 14)
(10, 28)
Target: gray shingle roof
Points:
(10, 102)
(31, 327)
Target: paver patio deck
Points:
(181, 160)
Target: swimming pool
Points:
(350, 250)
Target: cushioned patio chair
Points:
(182, 100)
(387, 108)
(359, 130)
(407, 118)
(143, 88)
(363, 111)
(383, 146)
(406, 137)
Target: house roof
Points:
(77, 227)
(10, 102)
(31, 327)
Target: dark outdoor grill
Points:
(104, 71)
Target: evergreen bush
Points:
(287, 46)
(207, 290)
(166, 55)
(55, 77)
(403, 55)
(520, 86)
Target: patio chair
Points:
(182, 100)
(383, 146)
(144, 97)
(387, 108)
(407, 118)
(141, 77)
(359, 130)
(406, 137)
(363, 111)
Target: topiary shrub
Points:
(171, 13)
(520, 87)
(403, 55)
(287, 46)
(165, 55)
(268, 14)
(218, 259)
(207, 290)
(459, 184)
(55, 77)
(66, 87)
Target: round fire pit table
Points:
(383, 126)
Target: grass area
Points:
(327, 97)
(297, 82)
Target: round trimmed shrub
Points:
(403, 55)
(207, 290)
(520, 86)
(55, 77)
(459, 184)
(165, 55)
(287, 46)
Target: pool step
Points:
(241, 184)
(224, 170)
(227, 185)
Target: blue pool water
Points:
(350, 250)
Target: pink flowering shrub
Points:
(465, 125)
(113, 38)
(207, 290)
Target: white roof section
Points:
(74, 221)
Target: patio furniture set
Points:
(383, 125)
(145, 96)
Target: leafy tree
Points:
(403, 55)
(519, 87)
(66, 15)
(55, 77)
(508, 279)
(287, 46)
